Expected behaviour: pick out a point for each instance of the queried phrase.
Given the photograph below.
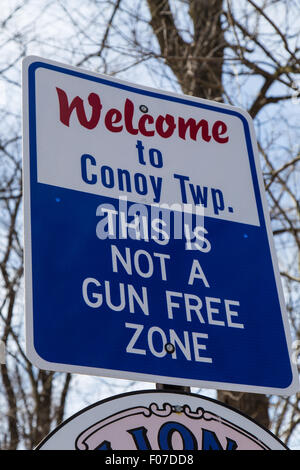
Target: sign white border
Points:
(30, 350)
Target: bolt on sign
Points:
(149, 254)
(152, 420)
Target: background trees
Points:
(245, 53)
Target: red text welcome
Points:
(116, 120)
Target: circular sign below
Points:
(160, 420)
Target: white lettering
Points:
(162, 257)
(98, 299)
(130, 347)
(149, 269)
(210, 310)
(205, 310)
(155, 226)
(106, 227)
(196, 307)
(198, 347)
(142, 262)
(143, 303)
(121, 306)
(185, 348)
(204, 244)
(152, 330)
(127, 294)
(171, 304)
(115, 254)
(135, 225)
(230, 313)
(156, 340)
(197, 273)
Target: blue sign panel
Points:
(149, 251)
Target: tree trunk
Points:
(251, 404)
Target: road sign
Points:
(149, 253)
(152, 420)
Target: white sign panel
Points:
(149, 147)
